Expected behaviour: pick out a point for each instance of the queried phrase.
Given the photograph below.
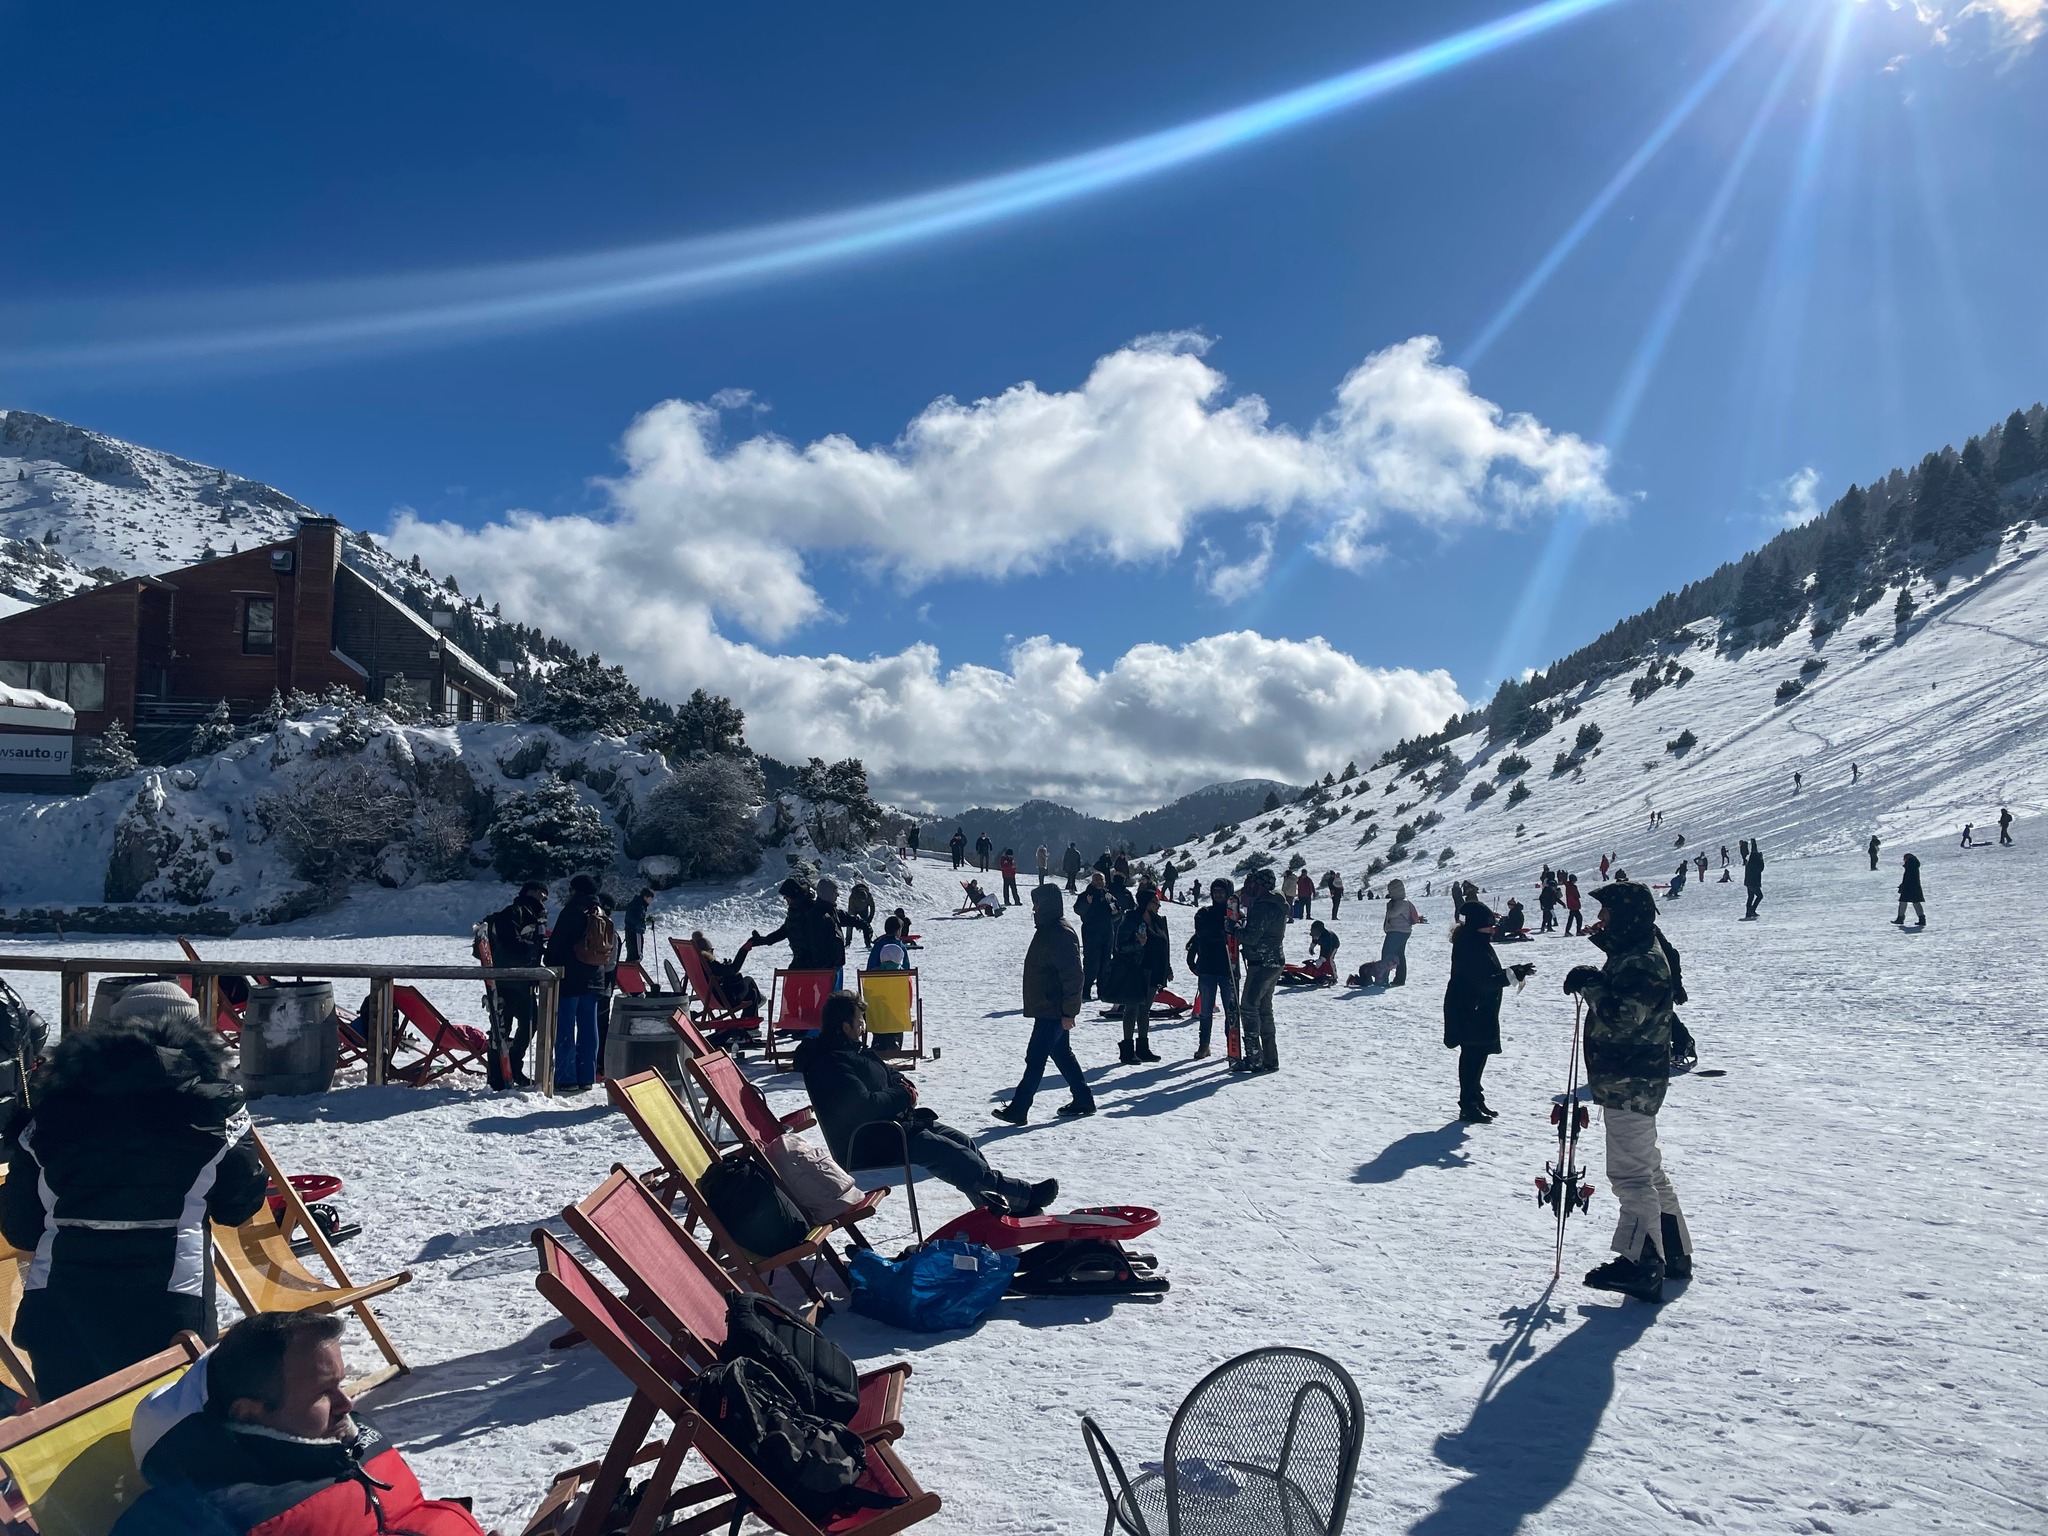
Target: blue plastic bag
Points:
(941, 1285)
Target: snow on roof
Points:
(24, 706)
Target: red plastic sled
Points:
(1102, 1223)
(1077, 1253)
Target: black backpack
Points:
(814, 1463)
(745, 1197)
(816, 1371)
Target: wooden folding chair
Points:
(68, 1470)
(227, 1017)
(895, 1002)
(631, 978)
(451, 1047)
(740, 1105)
(712, 1013)
(670, 1278)
(685, 1155)
(796, 1006)
(256, 1264)
(735, 1487)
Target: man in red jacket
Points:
(278, 1451)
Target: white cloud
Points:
(703, 536)
(2011, 26)
(1792, 499)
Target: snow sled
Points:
(1076, 1253)
(316, 1189)
(1166, 1004)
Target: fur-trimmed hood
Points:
(133, 1057)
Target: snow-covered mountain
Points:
(1901, 730)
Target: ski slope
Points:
(1860, 1353)
(1941, 718)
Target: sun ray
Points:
(426, 307)
(1619, 183)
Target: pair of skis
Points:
(498, 1059)
(1562, 1185)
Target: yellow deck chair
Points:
(67, 1467)
(895, 1007)
(685, 1154)
(256, 1264)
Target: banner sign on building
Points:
(22, 753)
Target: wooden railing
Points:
(75, 973)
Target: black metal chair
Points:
(1265, 1445)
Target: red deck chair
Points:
(451, 1047)
(671, 1279)
(796, 1006)
(227, 1017)
(734, 1488)
(631, 978)
(711, 1013)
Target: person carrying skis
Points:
(1208, 956)
(1574, 918)
(1628, 1067)
(1753, 879)
(1007, 865)
(1263, 947)
(1098, 934)
(1909, 891)
(1052, 999)
(1873, 851)
(1073, 864)
(519, 934)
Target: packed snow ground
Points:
(1860, 1353)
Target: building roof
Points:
(26, 707)
(475, 674)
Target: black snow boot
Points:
(1642, 1278)
(1043, 1194)
(1677, 1261)
(1010, 1114)
(1144, 1051)
(1473, 1114)
(1125, 1054)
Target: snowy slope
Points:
(1941, 716)
(1861, 1352)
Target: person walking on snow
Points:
(1546, 899)
(983, 850)
(1753, 879)
(1052, 999)
(1007, 865)
(1304, 895)
(1168, 877)
(1334, 884)
(2004, 827)
(1400, 920)
(1098, 934)
(1044, 863)
(1574, 919)
(1797, 779)
(636, 922)
(1263, 948)
(1873, 851)
(1909, 891)
(1208, 957)
(1968, 828)
(1628, 1067)
(1605, 861)
(958, 843)
(1073, 864)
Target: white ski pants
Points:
(1635, 1170)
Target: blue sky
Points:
(1830, 263)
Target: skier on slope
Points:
(1628, 1066)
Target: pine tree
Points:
(401, 700)
(1902, 613)
(112, 756)
(1930, 499)
(1842, 546)
(1272, 800)
(1350, 772)
(2018, 454)
(216, 733)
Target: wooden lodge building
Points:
(159, 652)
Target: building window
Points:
(259, 626)
(81, 684)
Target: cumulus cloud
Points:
(704, 536)
(2010, 26)
(1792, 499)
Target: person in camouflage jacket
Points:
(1628, 1066)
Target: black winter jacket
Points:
(850, 1089)
(1098, 917)
(518, 933)
(1144, 958)
(136, 1141)
(1211, 944)
(1265, 931)
(1052, 972)
(570, 926)
(1909, 883)
(1472, 999)
(815, 940)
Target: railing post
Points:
(544, 1037)
(208, 988)
(75, 999)
(380, 1028)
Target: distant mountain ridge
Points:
(1026, 826)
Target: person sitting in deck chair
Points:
(736, 989)
(978, 901)
(870, 1117)
(137, 1139)
(277, 1448)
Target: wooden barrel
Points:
(289, 1038)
